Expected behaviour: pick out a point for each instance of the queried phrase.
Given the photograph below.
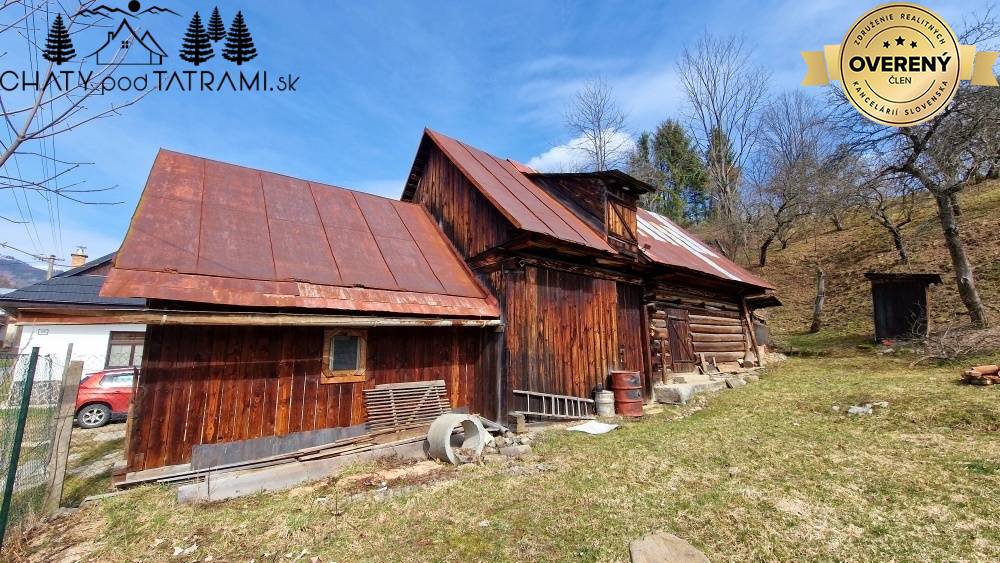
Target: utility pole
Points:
(51, 259)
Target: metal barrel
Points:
(605, 403)
(627, 386)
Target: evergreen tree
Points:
(58, 45)
(216, 31)
(668, 160)
(196, 48)
(239, 44)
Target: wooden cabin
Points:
(587, 282)
(275, 302)
(488, 275)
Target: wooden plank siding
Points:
(213, 384)
(470, 221)
(565, 331)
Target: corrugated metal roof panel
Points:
(666, 243)
(251, 238)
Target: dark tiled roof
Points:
(72, 287)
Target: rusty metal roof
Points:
(662, 241)
(516, 190)
(506, 185)
(210, 232)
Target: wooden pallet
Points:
(404, 405)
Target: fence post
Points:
(15, 450)
(61, 440)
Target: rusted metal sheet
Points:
(666, 243)
(525, 204)
(210, 232)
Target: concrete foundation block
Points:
(673, 393)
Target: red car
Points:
(104, 395)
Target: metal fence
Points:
(27, 429)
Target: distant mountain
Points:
(17, 274)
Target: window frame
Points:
(356, 375)
(132, 344)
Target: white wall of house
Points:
(90, 345)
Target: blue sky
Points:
(373, 74)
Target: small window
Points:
(344, 354)
(124, 350)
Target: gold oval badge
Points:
(900, 64)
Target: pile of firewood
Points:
(982, 375)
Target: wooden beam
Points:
(64, 431)
(254, 319)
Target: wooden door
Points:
(679, 336)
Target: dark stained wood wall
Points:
(468, 219)
(212, 384)
(564, 330)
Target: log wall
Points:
(213, 384)
(716, 328)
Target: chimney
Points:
(78, 257)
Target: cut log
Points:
(700, 337)
(706, 320)
(719, 347)
(717, 329)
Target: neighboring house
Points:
(135, 49)
(68, 309)
(276, 302)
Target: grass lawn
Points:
(765, 472)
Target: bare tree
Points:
(891, 206)
(597, 124)
(33, 122)
(793, 143)
(725, 92)
(956, 149)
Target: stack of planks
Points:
(982, 375)
(178, 474)
(404, 405)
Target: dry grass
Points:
(766, 472)
(863, 246)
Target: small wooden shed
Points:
(900, 303)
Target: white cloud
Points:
(570, 156)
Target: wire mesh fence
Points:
(27, 427)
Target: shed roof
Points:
(664, 242)
(923, 277)
(72, 287)
(210, 232)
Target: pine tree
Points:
(196, 47)
(239, 44)
(216, 30)
(668, 160)
(58, 45)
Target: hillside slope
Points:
(864, 246)
(16, 274)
